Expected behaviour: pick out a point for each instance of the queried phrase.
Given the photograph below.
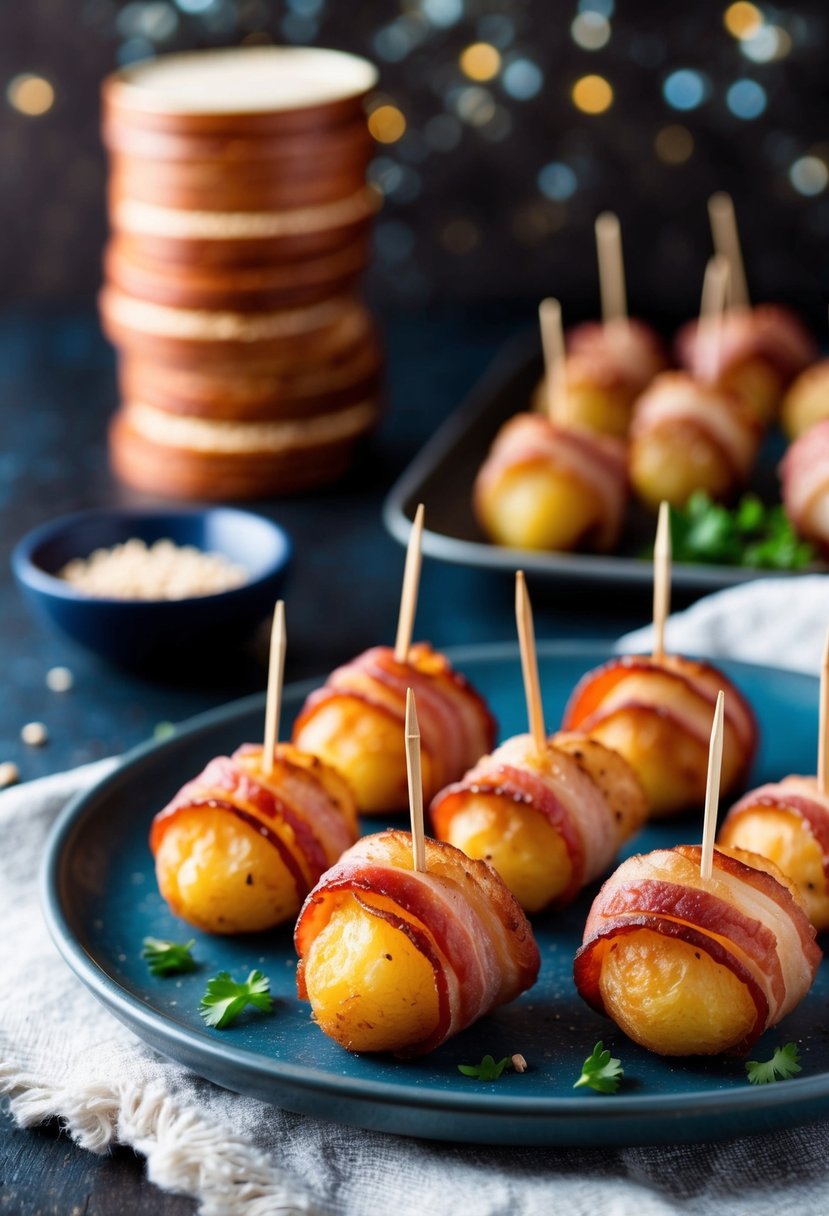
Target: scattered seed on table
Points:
(34, 734)
(59, 679)
(9, 774)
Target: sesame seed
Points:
(59, 679)
(34, 734)
(9, 774)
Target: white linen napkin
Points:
(63, 1055)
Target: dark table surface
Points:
(57, 389)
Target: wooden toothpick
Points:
(611, 268)
(555, 368)
(661, 580)
(411, 583)
(276, 672)
(529, 663)
(823, 726)
(727, 243)
(415, 779)
(712, 790)
(712, 307)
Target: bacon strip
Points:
(455, 724)
(630, 353)
(766, 332)
(307, 826)
(675, 398)
(599, 461)
(458, 913)
(743, 917)
(798, 795)
(804, 472)
(556, 787)
(684, 688)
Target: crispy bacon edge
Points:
(472, 976)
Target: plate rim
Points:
(478, 1101)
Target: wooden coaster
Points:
(243, 238)
(254, 394)
(215, 188)
(269, 90)
(300, 460)
(301, 154)
(197, 338)
(256, 288)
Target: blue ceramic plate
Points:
(101, 900)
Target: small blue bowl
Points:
(132, 632)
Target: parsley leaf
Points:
(782, 1066)
(488, 1070)
(751, 534)
(168, 958)
(224, 999)
(601, 1071)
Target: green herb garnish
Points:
(601, 1071)
(489, 1069)
(751, 535)
(782, 1066)
(168, 958)
(224, 999)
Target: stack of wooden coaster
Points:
(240, 222)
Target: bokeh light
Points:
(742, 20)
(592, 95)
(31, 95)
(809, 175)
(746, 99)
(522, 79)
(674, 144)
(480, 61)
(685, 89)
(475, 105)
(442, 13)
(590, 30)
(557, 181)
(769, 43)
(387, 124)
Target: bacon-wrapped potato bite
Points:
(788, 822)
(237, 850)
(606, 369)
(550, 487)
(687, 435)
(393, 959)
(693, 966)
(355, 723)
(804, 472)
(657, 714)
(807, 401)
(758, 352)
(548, 822)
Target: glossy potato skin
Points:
(355, 723)
(657, 715)
(523, 845)
(370, 987)
(220, 875)
(536, 505)
(784, 838)
(672, 463)
(235, 850)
